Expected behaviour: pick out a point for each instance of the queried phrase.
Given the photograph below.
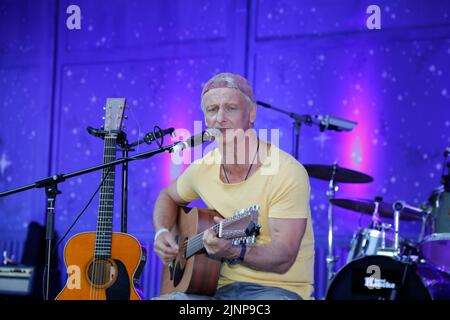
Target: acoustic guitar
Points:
(193, 271)
(104, 265)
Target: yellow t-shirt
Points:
(281, 188)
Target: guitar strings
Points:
(196, 242)
(92, 295)
(98, 270)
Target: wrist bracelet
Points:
(241, 256)
(159, 232)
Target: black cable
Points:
(160, 141)
(84, 209)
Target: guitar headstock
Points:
(242, 227)
(115, 108)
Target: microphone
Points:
(324, 122)
(152, 136)
(447, 152)
(334, 123)
(263, 104)
(195, 140)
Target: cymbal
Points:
(385, 209)
(324, 172)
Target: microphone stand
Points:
(122, 141)
(323, 122)
(51, 190)
(296, 124)
(126, 148)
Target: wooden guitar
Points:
(193, 271)
(104, 265)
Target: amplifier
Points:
(16, 280)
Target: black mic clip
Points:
(99, 133)
(156, 134)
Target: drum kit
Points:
(382, 265)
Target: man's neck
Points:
(239, 153)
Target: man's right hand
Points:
(166, 247)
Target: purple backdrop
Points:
(314, 57)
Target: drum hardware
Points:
(439, 206)
(332, 189)
(370, 241)
(397, 206)
(405, 269)
(427, 219)
(365, 242)
(334, 174)
(385, 209)
(435, 247)
(439, 200)
(374, 240)
(384, 226)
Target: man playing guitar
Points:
(242, 171)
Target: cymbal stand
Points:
(376, 216)
(398, 207)
(332, 189)
(426, 218)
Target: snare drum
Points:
(435, 249)
(380, 278)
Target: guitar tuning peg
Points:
(103, 117)
(104, 108)
(125, 117)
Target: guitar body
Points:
(120, 271)
(199, 273)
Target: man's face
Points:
(227, 108)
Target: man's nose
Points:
(220, 115)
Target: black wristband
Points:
(241, 256)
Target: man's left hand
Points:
(215, 247)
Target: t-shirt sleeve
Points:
(290, 193)
(185, 183)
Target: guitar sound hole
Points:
(180, 265)
(102, 272)
(178, 274)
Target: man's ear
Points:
(253, 113)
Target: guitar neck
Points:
(106, 203)
(195, 244)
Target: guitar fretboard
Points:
(106, 204)
(195, 244)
